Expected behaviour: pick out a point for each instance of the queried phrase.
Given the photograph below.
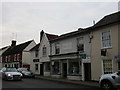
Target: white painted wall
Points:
(26, 53)
(44, 42)
(70, 45)
(32, 64)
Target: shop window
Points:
(107, 66)
(73, 68)
(47, 66)
(55, 68)
(36, 67)
(5, 65)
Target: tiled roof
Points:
(16, 49)
(35, 47)
(4, 48)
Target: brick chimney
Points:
(13, 43)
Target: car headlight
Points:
(21, 75)
(9, 75)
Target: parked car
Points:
(10, 74)
(110, 81)
(25, 72)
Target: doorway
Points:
(87, 71)
(64, 70)
(41, 69)
(118, 65)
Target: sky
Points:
(23, 20)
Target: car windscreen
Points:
(23, 69)
(11, 70)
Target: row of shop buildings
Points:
(84, 54)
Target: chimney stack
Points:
(13, 43)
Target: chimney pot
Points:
(13, 43)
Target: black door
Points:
(118, 65)
(41, 69)
(64, 70)
(87, 71)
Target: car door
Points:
(118, 78)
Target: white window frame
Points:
(6, 58)
(15, 57)
(82, 42)
(57, 45)
(102, 47)
(103, 72)
(44, 53)
(36, 67)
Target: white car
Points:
(110, 81)
(11, 74)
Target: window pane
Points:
(107, 66)
(106, 39)
(44, 51)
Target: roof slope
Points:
(35, 47)
(109, 19)
(51, 36)
(16, 49)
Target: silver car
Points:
(110, 81)
(25, 72)
(11, 74)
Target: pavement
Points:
(86, 83)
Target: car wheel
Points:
(106, 85)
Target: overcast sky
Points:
(23, 21)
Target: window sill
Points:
(106, 47)
(74, 74)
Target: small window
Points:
(36, 67)
(15, 57)
(107, 66)
(80, 44)
(57, 48)
(44, 51)
(18, 57)
(36, 53)
(6, 59)
(9, 58)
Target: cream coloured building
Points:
(105, 46)
(44, 52)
